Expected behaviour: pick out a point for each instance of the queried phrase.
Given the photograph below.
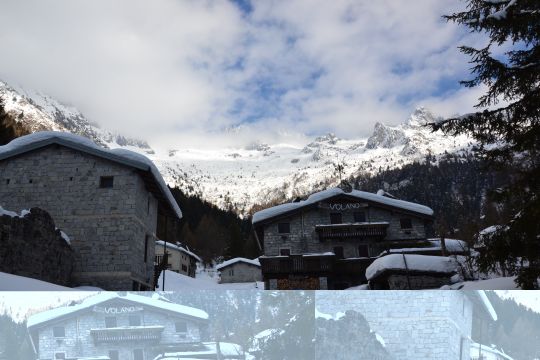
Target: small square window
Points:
(7, 181)
(59, 332)
(284, 252)
(336, 218)
(110, 322)
(106, 182)
(181, 326)
(338, 250)
(359, 216)
(138, 354)
(134, 320)
(60, 356)
(231, 272)
(406, 223)
(284, 228)
(184, 268)
(363, 250)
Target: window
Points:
(285, 252)
(146, 248)
(134, 320)
(113, 354)
(59, 332)
(363, 250)
(61, 355)
(231, 272)
(406, 223)
(184, 268)
(359, 216)
(148, 205)
(7, 181)
(180, 326)
(138, 354)
(284, 228)
(106, 182)
(338, 250)
(159, 258)
(110, 322)
(335, 218)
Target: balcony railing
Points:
(297, 264)
(351, 231)
(132, 333)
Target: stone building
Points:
(179, 259)
(328, 240)
(107, 201)
(416, 325)
(240, 270)
(113, 326)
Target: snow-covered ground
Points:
(9, 282)
(202, 281)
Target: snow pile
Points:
(43, 138)
(179, 248)
(224, 264)
(178, 282)
(327, 194)
(413, 263)
(13, 213)
(101, 297)
(500, 283)
(10, 282)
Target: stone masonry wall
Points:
(416, 325)
(309, 242)
(108, 227)
(31, 246)
(242, 272)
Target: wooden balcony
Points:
(351, 231)
(297, 264)
(132, 333)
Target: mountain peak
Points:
(422, 116)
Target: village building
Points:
(419, 325)
(328, 240)
(239, 270)
(106, 201)
(179, 258)
(117, 327)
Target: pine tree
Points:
(507, 124)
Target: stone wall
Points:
(241, 272)
(108, 227)
(416, 325)
(31, 246)
(304, 239)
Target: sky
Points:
(186, 71)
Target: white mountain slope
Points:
(260, 173)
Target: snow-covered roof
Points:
(179, 248)
(206, 350)
(423, 263)
(126, 157)
(327, 194)
(46, 316)
(488, 352)
(224, 264)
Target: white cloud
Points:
(180, 69)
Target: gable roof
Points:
(289, 208)
(254, 262)
(148, 171)
(179, 248)
(45, 317)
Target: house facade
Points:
(106, 201)
(111, 326)
(239, 270)
(179, 259)
(328, 240)
(416, 325)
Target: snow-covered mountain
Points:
(260, 173)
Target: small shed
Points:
(411, 272)
(239, 270)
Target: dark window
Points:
(145, 248)
(135, 286)
(110, 322)
(363, 250)
(335, 218)
(284, 228)
(113, 354)
(59, 332)
(7, 181)
(284, 252)
(60, 355)
(71, 178)
(406, 223)
(180, 326)
(134, 320)
(231, 272)
(106, 182)
(338, 250)
(184, 268)
(138, 354)
(359, 216)
(30, 181)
